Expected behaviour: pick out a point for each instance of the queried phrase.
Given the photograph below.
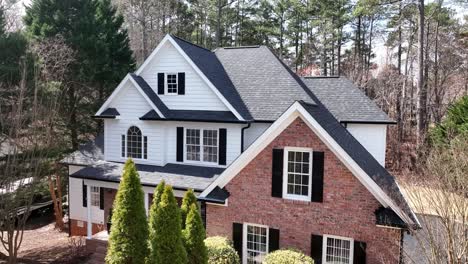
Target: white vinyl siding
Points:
(253, 132)
(77, 210)
(337, 250)
(198, 95)
(130, 103)
(371, 136)
(162, 139)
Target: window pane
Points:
(134, 143)
(95, 196)
(171, 82)
(298, 173)
(210, 145)
(338, 251)
(257, 242)
(193, 144)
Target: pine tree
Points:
(187, 201)
(169, 247)
(158, 191)
(194, 236)
(129, 233)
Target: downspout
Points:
(402, 231)
(242, 136)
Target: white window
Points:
(201, 149)
(337, 250)
(95, 196)
(171, 83)
(298, 173)
(134, 144)
(255, 243)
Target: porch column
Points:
(146, 203)
(88, 207)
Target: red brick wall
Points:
(75, 230)
(347, 209)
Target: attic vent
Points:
(243, 47)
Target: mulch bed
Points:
(42, 243)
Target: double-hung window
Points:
(255, 243)
(171, 83)
(337, 250)
(201, 145)
(298, 173)
(95, 196)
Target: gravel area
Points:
(42, 243)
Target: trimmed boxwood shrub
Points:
(287, 256)
(220, 251)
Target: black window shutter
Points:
(180, 144)
(317, 177)
(359, 252)
(237, 237)
(316, 246)
(222, 146)
(181, 83)
(101, 198)
(85, 195)
(277, 173)
(203, 213)
(160, 83)
(273, 239)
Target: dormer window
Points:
(134, 144)
(171, 83)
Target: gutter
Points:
(242, 136)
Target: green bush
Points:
(287, 256)
(220, 251)
(194, 234)
(455, 123)
(168, 232)
(187, 201)
(158, 191)
(129, 232)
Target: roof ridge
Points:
(243, 47)
(186, 41)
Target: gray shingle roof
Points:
(108, 113)
(264, 85)
(177, 175)
(212, 68)
(150, 93)
(346, 101)
(89, 153)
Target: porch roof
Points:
(179, 176)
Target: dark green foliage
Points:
(13, 49)
(454, 124)
(194, 235)
(220, 251)
(153, 240)
(187, 201)
(286, 256)
(169, 247)
(93, 29)
(129, 233)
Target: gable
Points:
(130, 102)
(363, 166)
(198, 95)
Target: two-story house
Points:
(277, 161)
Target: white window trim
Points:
(166, 90)
(244, 239)
(285, 174)
(324, 247)
(142, 145)
(201, 147)
(95, 202)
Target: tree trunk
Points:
(437, 94)
(218, 23)
(338, 59)
(422, 92)
(57, 200)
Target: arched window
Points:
(134, 143)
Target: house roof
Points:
(179, 176)
(108, 113)
(151, 94)
(194, 116)
(212, 68)
(346, 101)
(264, 85)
